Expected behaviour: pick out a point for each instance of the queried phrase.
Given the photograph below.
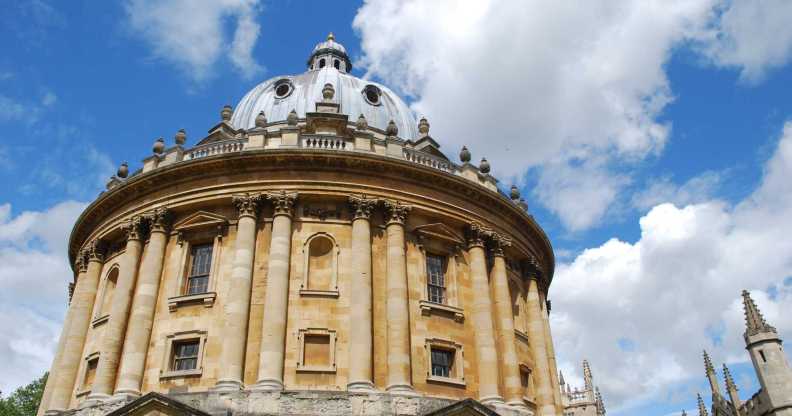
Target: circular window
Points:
(283, 88)
(372, 94)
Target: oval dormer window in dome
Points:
(372, 94)
(283, 88)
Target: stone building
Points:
(315, 253)
(771, 365)
(586, 401)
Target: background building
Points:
(315, 253)
(586, 401)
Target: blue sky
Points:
(647, 137)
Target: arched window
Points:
(321, 63)
(337, 64)
(107, 293)
(320, 273)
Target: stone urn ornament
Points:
(123, 170)
(181, 137)
(159, 146)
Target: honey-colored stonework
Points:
(318, 262)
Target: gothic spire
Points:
(710, 370)
(561, 379)
(731, 388)
(600, 404)
(587, 375)
(754, 321)
(701, 408)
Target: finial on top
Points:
(587, 379)
(754, 321)
(328, 92)
(484, 166)
(392, 130)
(159, 146)
(684, 413)
(226, 113)
(701, 407)
(123, 170)
(261, 120)
(292, 118)
(514, 193)
(362, 124)
(181, 137)
(727, 377)
(330, 36)
(423, 127)
(561, 380)
(464, 154)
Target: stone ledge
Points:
(207, 299)
(427, 308)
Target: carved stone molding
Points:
(283, 202)
(362, 206)
(95, 251)
(397, 213)
(81, 263)
(160, 220)
(247, 204)
(498, 243)
(477, 235)
(134, 228)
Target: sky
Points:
(652, 140)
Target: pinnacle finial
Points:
(561, 380)
(754, 321)
(728, 377)
(423, 127)
(330, 36)
(708, 363)
(702, 409)
(600, 403)
(684, 413)
(709, 370)
(226, 113)
(587, 379)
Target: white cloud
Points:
(35, 275)
(193, 34)
(697, 189)
(677, 289)
(553, 85)
(752, 35)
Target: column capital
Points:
(477, 235)
(160, 219)
(497, 243)
(94, 251)
(531, 268)
(362, 206)
(247, 204)
(283, 202)
(397, 213)
(134, 228)
(81, 263)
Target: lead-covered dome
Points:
(328, 64)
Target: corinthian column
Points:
(237, 305)
(360, 333)
(77, 320)
(113, 339)
(551, 360)
(486, 353)
(398, 307)
(143, 306)
(504, 319)
(536, 338)
(273, 329)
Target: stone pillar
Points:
(237, 303)
(81, 264)
(144, 304)
(504, 319)
(398, 308)
(273, 329)
(551, 360)
(112, 341)
(360, 334)
(481, 313)
(536, 338)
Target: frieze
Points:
(321, 212)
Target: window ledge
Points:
(100, 320)
(185, 373)
(316, 369)
(522, 336)
(175, 302)
(427, 308)
(446, 380)
(319, 294)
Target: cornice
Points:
(251, 161)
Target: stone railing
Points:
(426, 159)
(325, 142)
(216, 148)
(578, 396)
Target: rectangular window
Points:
(90, 372)
(185, 355)
(435, 270)
(442, 362)
(317, 350)
(198, 279)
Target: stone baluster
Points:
(144, 304)
(112, 341)
(536, 338)
(273, 330)
(481, 313)
(398, 308)
(360, 333)
(237, 304)
(67, 359)
(504, 319)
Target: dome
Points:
(279, 95)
